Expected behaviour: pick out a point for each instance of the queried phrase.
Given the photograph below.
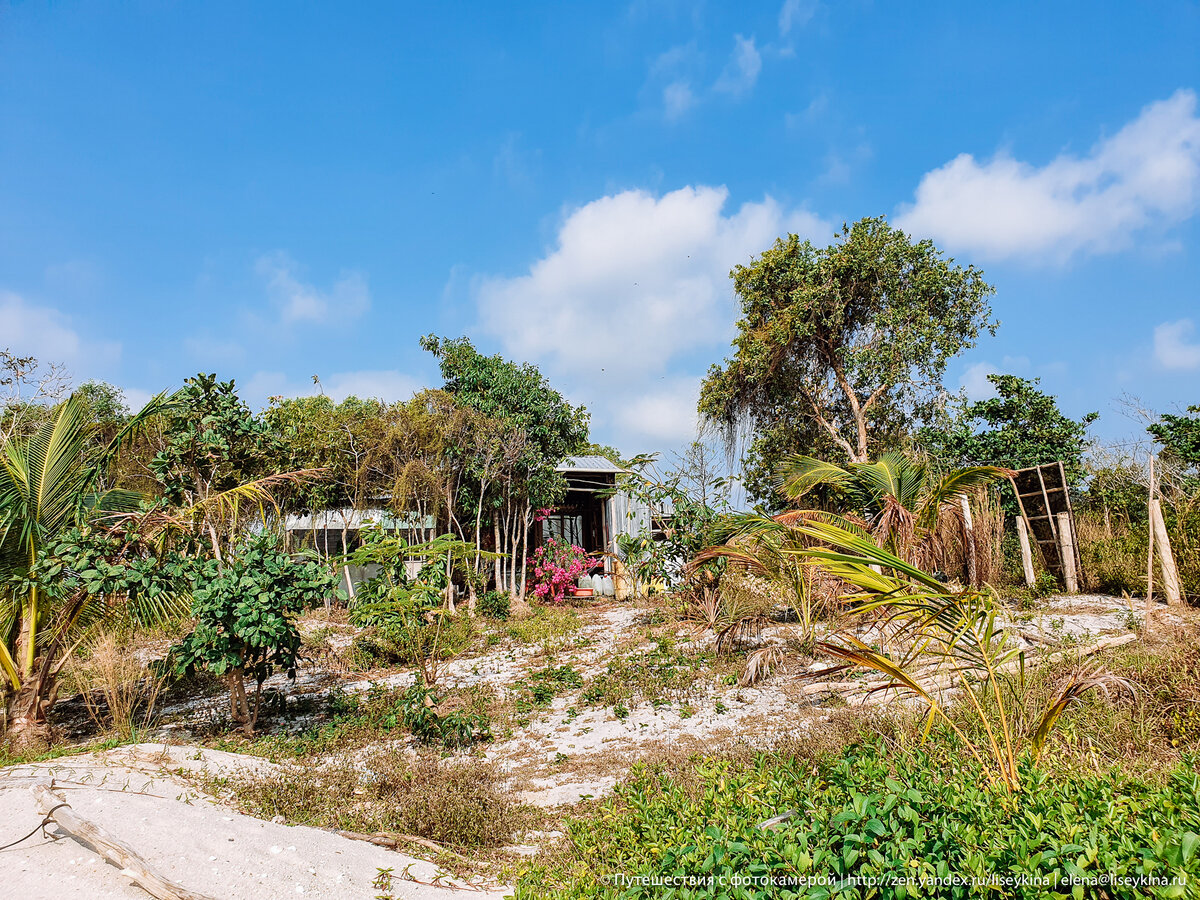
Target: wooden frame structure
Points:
(1042, 494)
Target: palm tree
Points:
(50, 482)
(950, 642)
(910, 509)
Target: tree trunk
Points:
(496, 539)
(26, 716)
(524, 547)
(239, 705)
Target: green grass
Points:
(872, 811)
(552, 628)
(659, 676)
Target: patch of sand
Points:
(137, 795)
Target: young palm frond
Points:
(49, 482)
(908, 508)
(948, 640)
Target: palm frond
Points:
(799, 474)
(1070, 691)
(955, 485)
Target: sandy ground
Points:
(568, 751)
(136, 794)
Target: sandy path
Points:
(134, 793)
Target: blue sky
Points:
(273, 191)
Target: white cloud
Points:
(795, 14)
(666, 414)
(742, 70)
(634, 283)
(670, 78)
(644, 278)
(1145, 176)
(1174, 347)
(380, 384)
(299, 301)
(677, 100)
(136, 398)
(44, 332)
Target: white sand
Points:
(135, 795)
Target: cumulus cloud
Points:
(388, 385)
(31, 330)
(1145, 176)
(301, 302)
(742, 70)
(975, 381)
(795, 14)
(1174, 347)
(634, 283)
(642, 277)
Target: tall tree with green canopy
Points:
(1180, 436)
(213, 445)
(1020, 427)
(550, 430)
(844, 347)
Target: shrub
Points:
(556, 569)
(245, 610)
(410, 625)
(495, 604)
(420, 709)
(876, 812)
(1113, 557)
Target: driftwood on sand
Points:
(54, 808)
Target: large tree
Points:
(841, 349)
(212, 445)
(1021, 426)
(1180, 436)
(537, 419)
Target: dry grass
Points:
(118, 692)
(459, 803)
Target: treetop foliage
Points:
(212, 441)
(1179, 435)
(843, 348)
(1020, 427)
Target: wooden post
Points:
(1066, 549)
(1026, 551)
(969, 530)
(1149, 554)
(1166, 559)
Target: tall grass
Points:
(118, 691)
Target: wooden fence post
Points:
(969, 529)
(1166, 559)
(1026, 551)
(1149, 553)
(1066, 550)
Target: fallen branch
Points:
(120, 854)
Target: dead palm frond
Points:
(761, 663)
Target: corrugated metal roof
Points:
(588, 464)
